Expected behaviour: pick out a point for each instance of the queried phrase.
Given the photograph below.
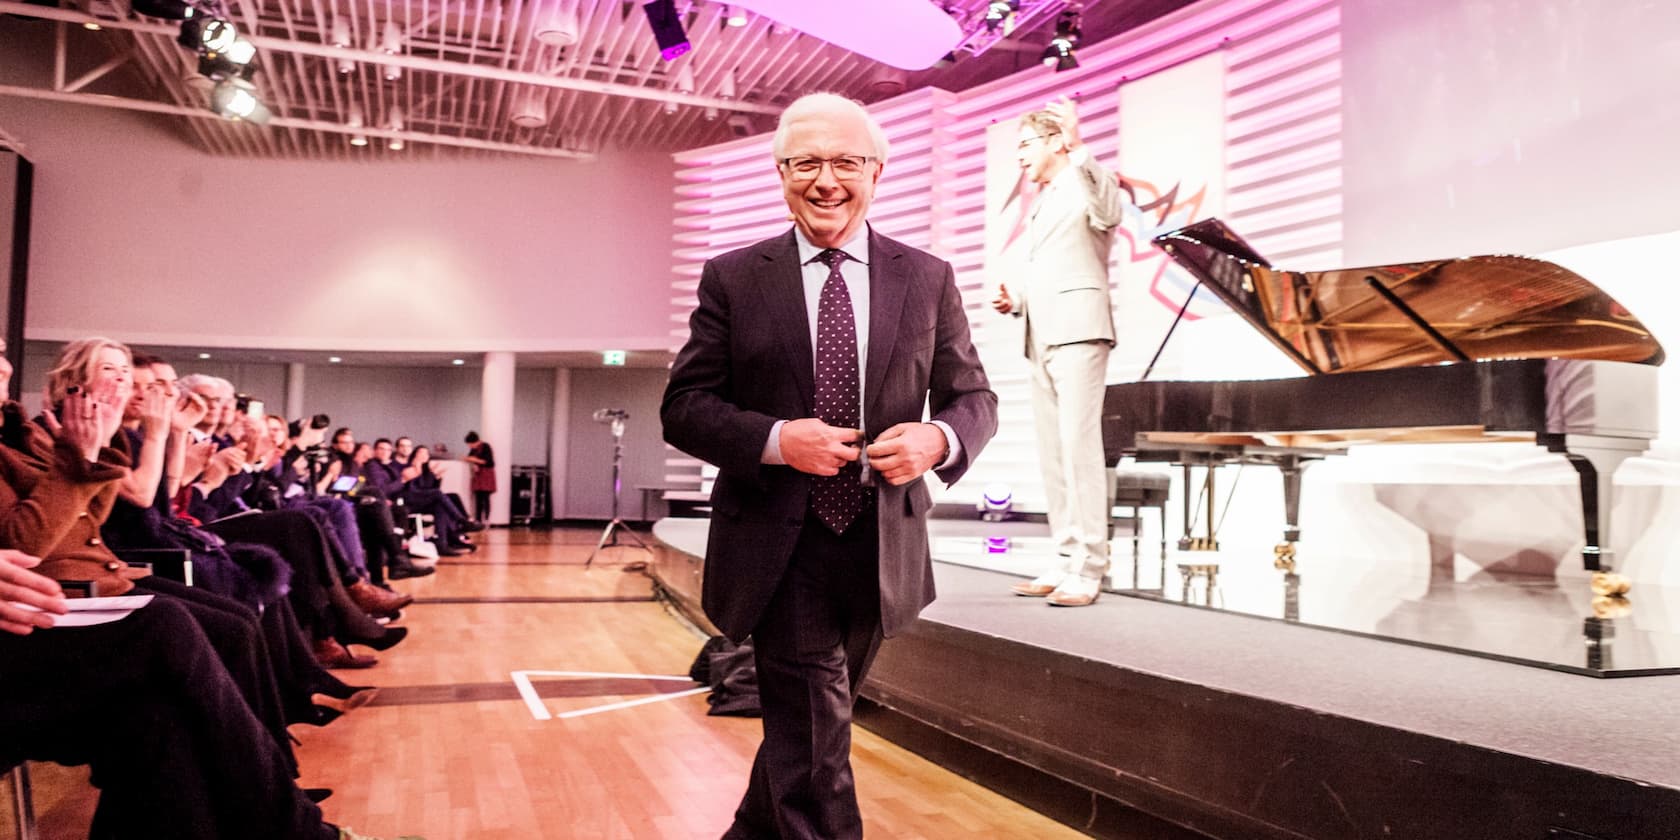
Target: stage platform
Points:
(1140, 718)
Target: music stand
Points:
(615, 417)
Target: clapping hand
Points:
(1067, 117)
(83, 422)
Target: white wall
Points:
(588, 493)
(141, 236)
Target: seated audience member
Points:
(180, 755)
(383, 539)
(422, 488)
(61, 476)
(254, 575)
(333, 608)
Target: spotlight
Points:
(734, 15)
(346, 67)
(206, 35)
(340, 32)
(711, 113)
(1000, 14)
(667, 28)
(685, 79)
(671, 106)
(393, 72)
(240, 52)
(726, 87)
(1059, 52)
(237, 99)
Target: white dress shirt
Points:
(855, 272)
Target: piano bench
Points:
(1136, 490)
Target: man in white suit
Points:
(1070, 329)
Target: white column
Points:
(496, 426)
(294, 391)
(559, 437)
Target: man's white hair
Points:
(192, 381)
(827, 104)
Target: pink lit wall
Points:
(1509, 125)
(139, 235)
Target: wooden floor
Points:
(451, 751)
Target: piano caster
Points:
(1283, 557)
(1198, 544)
(1611, 606)
(1610, 585)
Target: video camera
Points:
(319, 421)
(608, 415)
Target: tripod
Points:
(609, 536)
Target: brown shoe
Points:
(1075, 592)
(1039, 586)
(331, 654)
(375, 601)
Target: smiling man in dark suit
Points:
(805, 350)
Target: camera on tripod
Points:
(608, 415)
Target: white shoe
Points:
(1075, 592)
(1040, 586)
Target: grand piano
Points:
(1490, 348)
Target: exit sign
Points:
(613, 357)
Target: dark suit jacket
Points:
(748, 363)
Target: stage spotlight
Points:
(207, 35)
(1059, 53)
(393, 72)
(996, 500)
(726, 86)
(237, 99)
(1000, 14)
(671, 106)
(735, 15)
(711, 113)
(667, 28)
(685, 79)
(346, 67)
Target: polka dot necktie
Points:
(837, 499)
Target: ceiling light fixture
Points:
(685, 79)
(334, 360)
(458, 362)
(354, 120)
(391, 41)
(667, 28)
(734, 15)
(726, 85)
(1059, 53)
(557, 25)
(532, 111)
(394, 121)
(340, 32)
(346, 67)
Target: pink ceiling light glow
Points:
(920, 33)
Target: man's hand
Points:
(189, 412)
(812, 446)
(1067, 116)
(905, 451)
(222, 465)
(197, 458)
(157, 412)
(1003, 303)
(21, 586)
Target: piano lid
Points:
(1468, 309)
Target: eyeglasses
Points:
(1024, 143)
(845, 167)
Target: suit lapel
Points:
(784, 293)
(887, 285)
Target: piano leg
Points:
(1595, 459)
(1290, 467)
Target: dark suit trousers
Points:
(812, 648)
(174, 747)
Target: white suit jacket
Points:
(1069, 231)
